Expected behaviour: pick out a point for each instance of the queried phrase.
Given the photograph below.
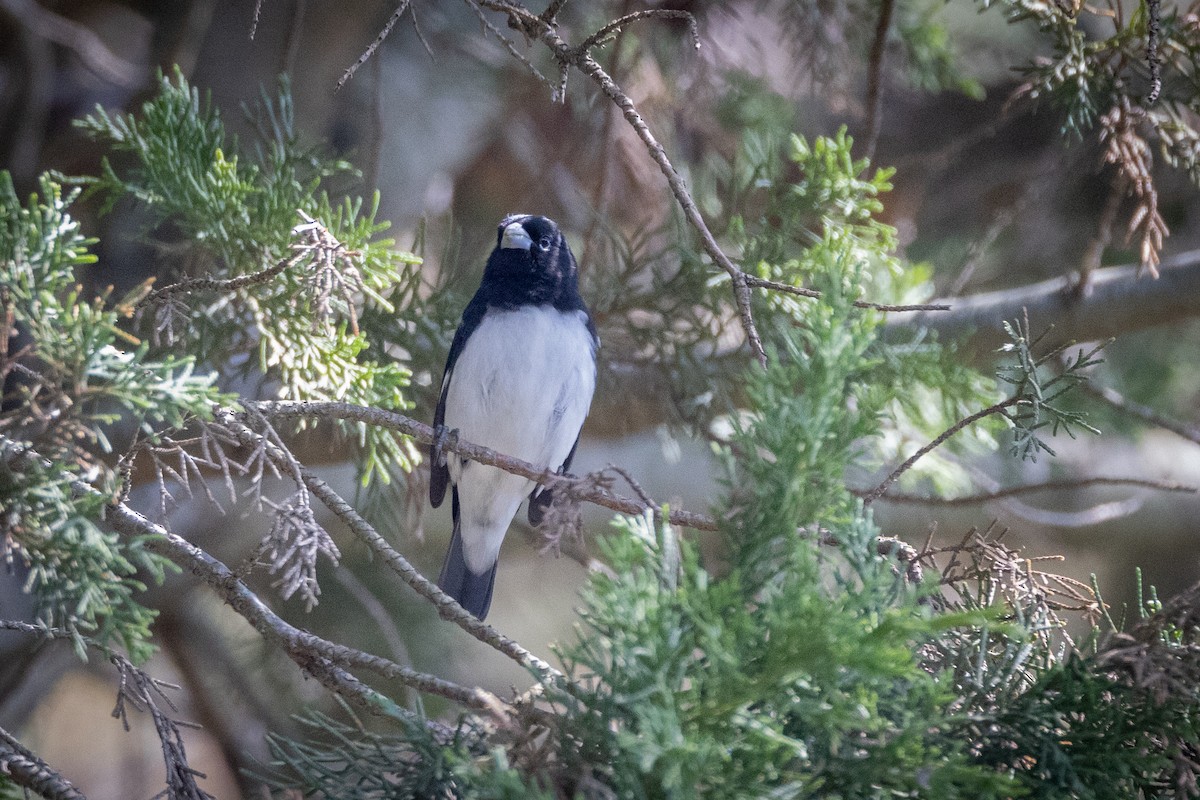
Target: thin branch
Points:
(879, 490)
(371, 48)
(763, 283)
(600, 36)
(1014, 491)
(144, 693)
(79, 39)
(446, 606)
(24, 768)
(875, 76)
(319, 657)
(425, 434)
(1143, 412)
(1153, 14)
(167, 293)
(558, 92)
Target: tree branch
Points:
(879, 490)
(26, 770)
(1143, 412)
(875, 76)
(319, 657)
(446, 606)
(1117, 302)
(1014, 491)
(424, 434)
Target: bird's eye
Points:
(544, 243)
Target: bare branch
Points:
(1116, 303)
(371, 48)
(875, 76)
(1014, 491)
(1145, 413)
(602, 35)
(139, 689)
(317, 656)
(763, 283)
(424, 434)
(559, 93)
(23, 767)
(879, 490)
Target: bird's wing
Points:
(439, 472)
(541, 497)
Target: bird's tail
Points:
(473, 592)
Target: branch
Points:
(601, 36)
(446, 606)
(79, 39)
(1145, 413)
(583, 489)
(371, 48)
(763, 283)
(999, 408)
(319, 657)
(25, 769)
(875, 76)
(1014, 491)
(1117, 302)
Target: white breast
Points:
(522, 386)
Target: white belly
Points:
(522, 386)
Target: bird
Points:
(519, 379)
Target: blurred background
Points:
(454, 133)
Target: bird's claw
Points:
(441, 436)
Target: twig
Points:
(166, 293)
(1014, 491)
(558, 92)
(24, 768)
(1153, 14)
(582, 60)
(371, 48)
(80, 40)
(763, 283)
(998, 408)
(138, 689)
(601, 35)
(424, 434)
(1143, 412)
(875, 76)
(315, 655)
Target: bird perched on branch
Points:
(519, 379)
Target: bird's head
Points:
(531, 263)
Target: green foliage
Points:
(1038, 395)
(417, 761)
(1099, 62)
(59, 417)
(242, 214)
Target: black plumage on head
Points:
(543, 274)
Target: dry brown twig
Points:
(1130, 152)
(331, 277)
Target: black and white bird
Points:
(519, 379)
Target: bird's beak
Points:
(516, 237)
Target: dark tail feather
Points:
(473, 592)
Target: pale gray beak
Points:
(516, 237)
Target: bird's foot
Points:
(441, 437)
